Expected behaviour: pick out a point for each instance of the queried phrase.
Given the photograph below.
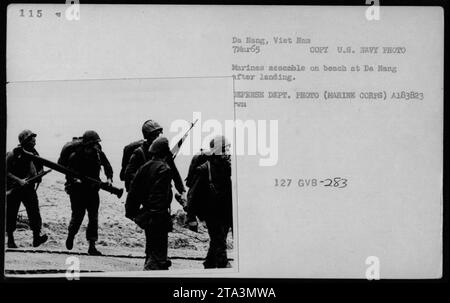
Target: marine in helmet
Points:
(86, 160)
(151, 130)
(210, 199)
(152, 189)
(19, 168)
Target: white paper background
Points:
(390, 152)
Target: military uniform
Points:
(84, 196)
(218, 212)
(210, 198)
(152, 188)
(140, 156)
(21, 167)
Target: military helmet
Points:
(218, 144)
(160, 146)
(90, 136)
(149, 127)
(25, 135)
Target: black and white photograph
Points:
(120, 174)
(224, 141)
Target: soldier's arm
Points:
(37, 164)
(17, 180)
(162, 184)
(106, 165)
(10, 176)
(202, 173)
(194, 197)
(176, 176)
(133, 201)
(133, 166)
(72, 163)
(124, 165)
(191, 171)
(9, 161)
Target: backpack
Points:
(197, 194)
(127, 153)
(196, 161)
(68, 149)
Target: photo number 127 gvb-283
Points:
(331, 182)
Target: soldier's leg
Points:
(92, 228)
(221, 251)
(92, 210)
(156, 258)
(211, 256)
(150, 245)
(162, 250)
(31, 203)
(12, 209)
(156, 235)
(77, 205)
(147, 248)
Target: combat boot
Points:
(11, 243)
(69, 241)
(38, 239)
(147, 264)
(92, 250)
(150, 264)
(166, 264)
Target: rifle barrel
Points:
(177, 146)
(30, 180)
(59, 168)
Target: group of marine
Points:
(148, 170)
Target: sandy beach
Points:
(120, 239)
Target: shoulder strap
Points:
(141, 149)
(209, 171)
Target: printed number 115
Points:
(31, 13)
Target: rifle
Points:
(59, 168)
(30, 180)
(177, 146)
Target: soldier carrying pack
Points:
(128, 151)
(68, 149)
